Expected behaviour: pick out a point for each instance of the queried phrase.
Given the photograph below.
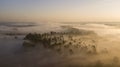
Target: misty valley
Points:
(59, 33)
(59, 45)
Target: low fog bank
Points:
(12, 52)
(42, 27)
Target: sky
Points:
(60, 10)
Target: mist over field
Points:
(13, 54)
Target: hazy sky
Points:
(60, 10)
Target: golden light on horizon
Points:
(61, 11)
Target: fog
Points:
(13, 54)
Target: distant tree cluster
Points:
(57, 39)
